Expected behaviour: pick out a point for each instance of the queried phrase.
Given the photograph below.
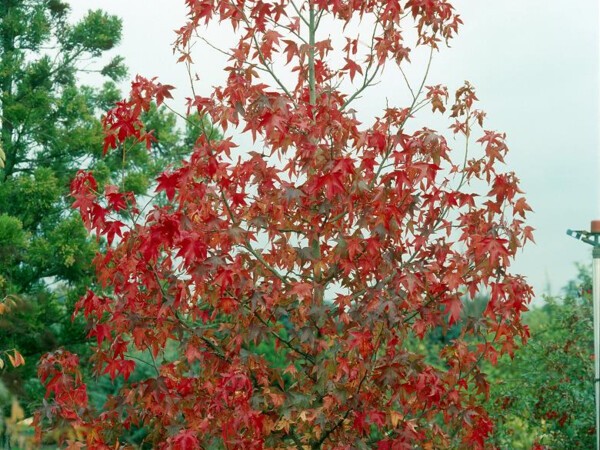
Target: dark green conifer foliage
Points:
(50, 127)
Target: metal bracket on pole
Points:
(586, 236)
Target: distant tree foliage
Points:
(544, 397)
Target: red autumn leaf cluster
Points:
(124, 121)
(336, 247)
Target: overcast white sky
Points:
(535, 65)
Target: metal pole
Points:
(596, 294)
(592, 237)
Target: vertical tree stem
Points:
(311, 54)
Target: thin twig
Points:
(299, 13)
(249, 247)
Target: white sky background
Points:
(535, 65)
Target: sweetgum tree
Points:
(287, 283)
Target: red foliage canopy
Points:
(334, 250)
